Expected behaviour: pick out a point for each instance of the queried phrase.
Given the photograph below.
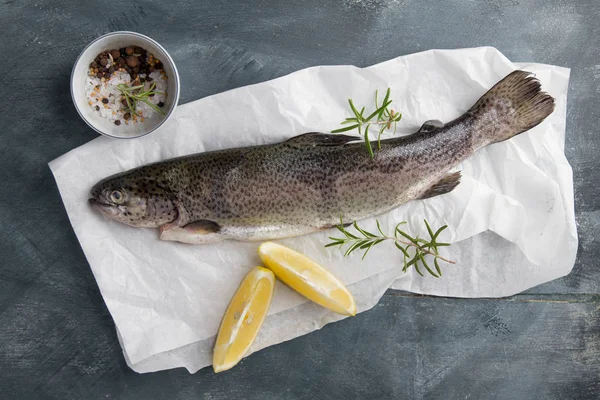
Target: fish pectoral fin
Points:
(200, 226)
(313, 139)
(203, 226)
(197, 232)
(444, 185)
(431, 125)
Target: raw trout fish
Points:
(309, 182)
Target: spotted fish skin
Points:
(309, 182)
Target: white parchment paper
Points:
(511, 219)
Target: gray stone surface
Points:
(57, 340)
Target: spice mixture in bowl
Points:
(125, 85)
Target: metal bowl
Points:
(92, 117)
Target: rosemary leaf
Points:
(364, 232)
(406, 235)
(437, 266)
(429, 229)
(379, 228)
(154, 106)
(346, 129)
(367, 244)
(414, 262)
(387, 95)
(345, 232)
(378, 111)
(419, 240)
(376, 242)
(354, 110)
(368, 142)
(353, 247)
(422, 258)
(437, 233)
(402, 249)
(367, 250)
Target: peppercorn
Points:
(132, 61)
(129, 50)
(115, 54)
(161, 104)
(118, 122)
(105, 100)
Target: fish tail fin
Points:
(514, 105)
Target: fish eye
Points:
(116, 197)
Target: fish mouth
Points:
(107, 209)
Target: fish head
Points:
(138, 202)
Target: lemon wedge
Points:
(307, 278)
(243, 318)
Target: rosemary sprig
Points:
(414, 249)
(133, 94)
(386, 118)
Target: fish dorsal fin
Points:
(431, 125)
(444, 185)
(313, 139)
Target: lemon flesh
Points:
(243, 318)
(307, 278)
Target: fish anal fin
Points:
(313, 139)
(444, 185)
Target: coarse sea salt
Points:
(98, 89)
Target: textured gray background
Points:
(57, 340)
